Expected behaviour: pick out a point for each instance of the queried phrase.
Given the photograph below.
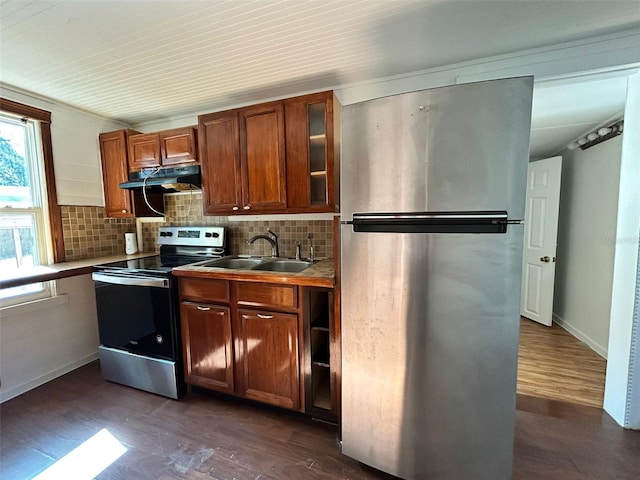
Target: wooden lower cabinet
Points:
(273, 343)
(206, 334)
(271, 367)
(243, 338)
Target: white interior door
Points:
(540, 239)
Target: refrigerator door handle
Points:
(429, 216)
(432, 222)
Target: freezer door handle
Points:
(432, 222)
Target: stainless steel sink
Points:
(283, 265)
(267, 264)
(240, 263)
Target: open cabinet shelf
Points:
(320, 395)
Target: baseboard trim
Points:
(47, 377)
(590, 342)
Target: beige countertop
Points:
(320, 274)
(61, 270)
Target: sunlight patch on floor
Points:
(87, 460)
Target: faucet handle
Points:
(298, 250)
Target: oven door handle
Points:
(131, 280)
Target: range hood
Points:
(164, 179)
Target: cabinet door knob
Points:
(260, 315)
(246, 207)
(124, 211)
(204, 309)
(234, 208)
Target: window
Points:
(24, 222)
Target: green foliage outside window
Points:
(13, 172)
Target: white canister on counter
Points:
(130, 243)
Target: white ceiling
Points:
(140, 61)
(564, 111)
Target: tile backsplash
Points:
(88, 233)
(186, 209)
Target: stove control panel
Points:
(192, 236)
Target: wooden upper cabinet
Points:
(144, 151)
(243, 160)
(115, 169)
(166, 148)
(312, 139)
(218, 136)
(276, 157)
(262, 155)
(178, 146)
(120, 203)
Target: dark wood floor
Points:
(205, 437)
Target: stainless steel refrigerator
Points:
(433, 188)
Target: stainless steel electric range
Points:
(138, 312)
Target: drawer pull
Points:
(204, 309)
(260, 315)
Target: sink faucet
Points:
(272, 238)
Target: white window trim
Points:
(40, 212)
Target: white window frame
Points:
(39, 212)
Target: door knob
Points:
(545, 259)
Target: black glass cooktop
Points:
(156, 263)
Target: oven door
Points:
(136, 314)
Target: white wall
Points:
(586, 241)
(622, 388)
(76, 151)
(42, 340)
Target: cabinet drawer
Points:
(267, 295)
(204, 290)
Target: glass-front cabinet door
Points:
(312, 147)
(317, 125)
